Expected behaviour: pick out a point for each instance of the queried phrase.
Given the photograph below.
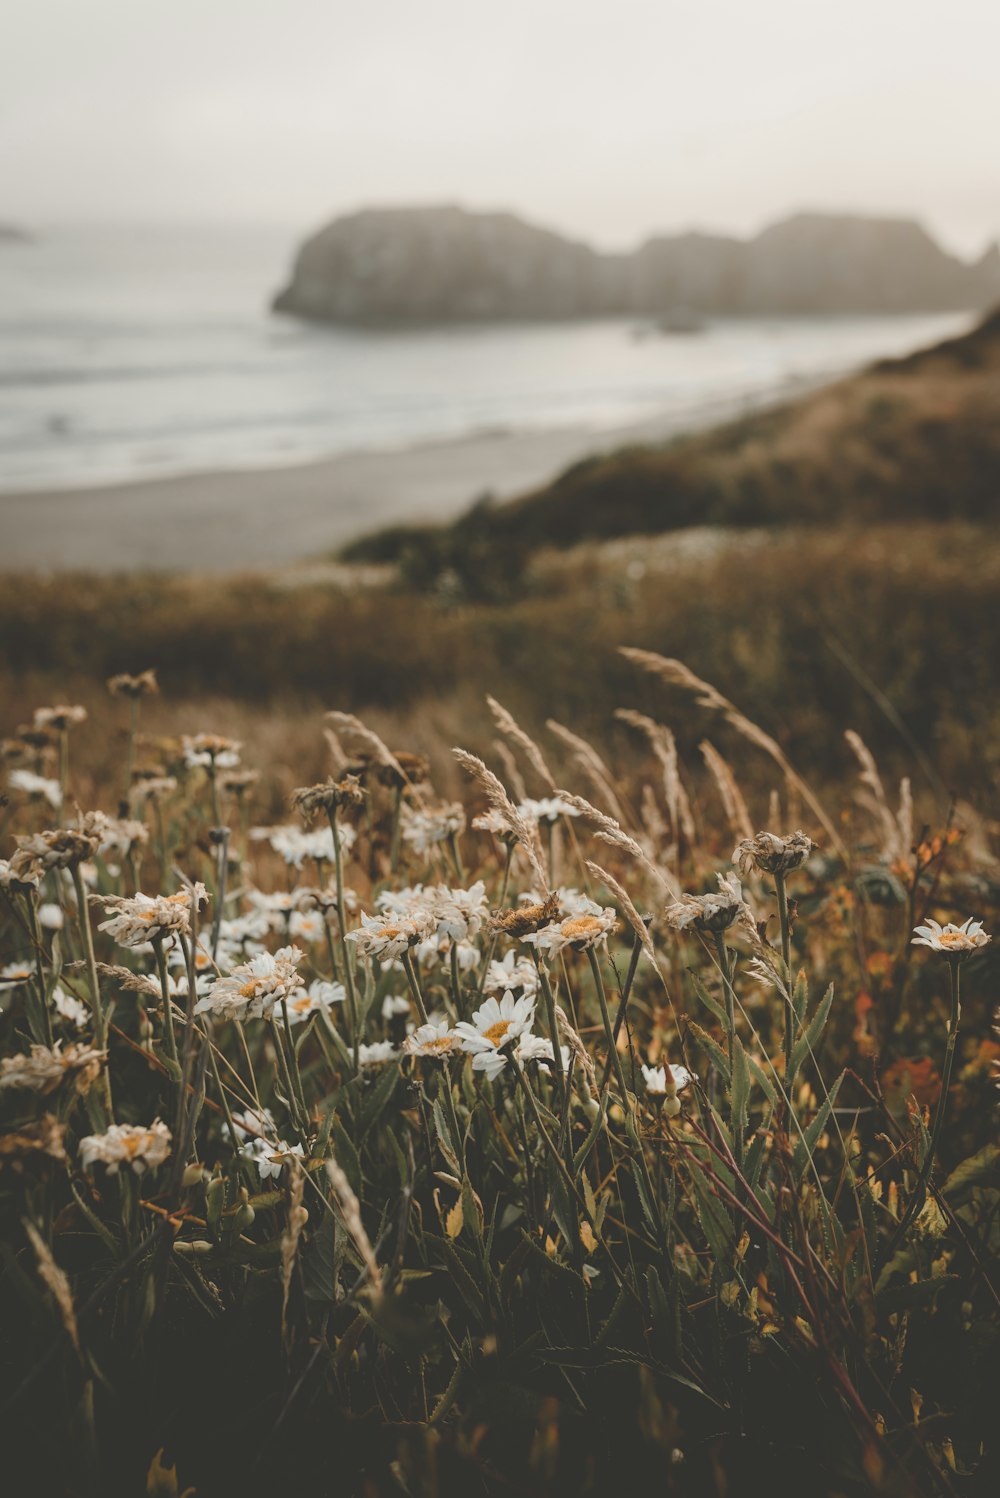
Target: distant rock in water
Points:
(424, 266)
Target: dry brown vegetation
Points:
(893, 630)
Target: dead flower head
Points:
(524, 919)
(43, 1070)
(59, 718)
(124, 685)
(331, 795)
(771, 854)
(34, 1141)
(62, 848)
(712, 912)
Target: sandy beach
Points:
(226, 521)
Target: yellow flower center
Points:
(953, 939)
(249, 989)
(497, 1032)
(581, 927)
(133, 1144)
(443, 1043)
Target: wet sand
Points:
(215, 522)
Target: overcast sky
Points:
(603, 118)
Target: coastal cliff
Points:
(425, 266)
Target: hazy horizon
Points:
(607, 122)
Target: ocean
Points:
(131, 353)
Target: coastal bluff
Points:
(437, 265)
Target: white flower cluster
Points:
(127, 1144)
(253, 988)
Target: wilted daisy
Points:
(581, 932)
(712, 912)
(435, 1039)
(424, 830)
(460, 913)
(138, 919)
(385, 936)
(124, 685)
(316, 999)
(770, 854)
(495, 822)
(515, 972)
(494, 1027)
(210, 751)
(127, 1144)
(435, 949)
(42, 1070)
(329, 796)
(114, 834)
(38, 786)
(548, 809)
(954, 941)
(62, 848)
(19, 879)
(253, 988)
(664, 1083)
(60, 718)
(377, 1053)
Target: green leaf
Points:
(808, 1043)
(802, 1153)
(444, 1138)
(583, 1153)
(378, 1099)
(763, 1081)
(973, 1171)
(707, 999)
(712, 1049)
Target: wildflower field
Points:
(573, 1129)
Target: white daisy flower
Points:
(460, 913)
(70, 1008)
(548, 809)
(434, 1039)
(538, 1048)
(50, 917)
(127, 1144)
(389, 935)
(36, 785)
(394, 1005)
(319, 996)
(514, 971)
(253, 988)
(665, 1082)
(954, 941)
(307, 925)
(495, 1025)
(44, 1069)
(377, 1053)
(210, 751)
(14, 974)
(424, 830)
(581, 932)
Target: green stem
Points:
(352, 997)
(413, 981)
(168, 1014)
(615, 1059)
(45, 1018)
(786, 957)
(550, 1019)
(87, 936)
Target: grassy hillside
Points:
(809, 632)
(906, 439)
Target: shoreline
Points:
(232, 520)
